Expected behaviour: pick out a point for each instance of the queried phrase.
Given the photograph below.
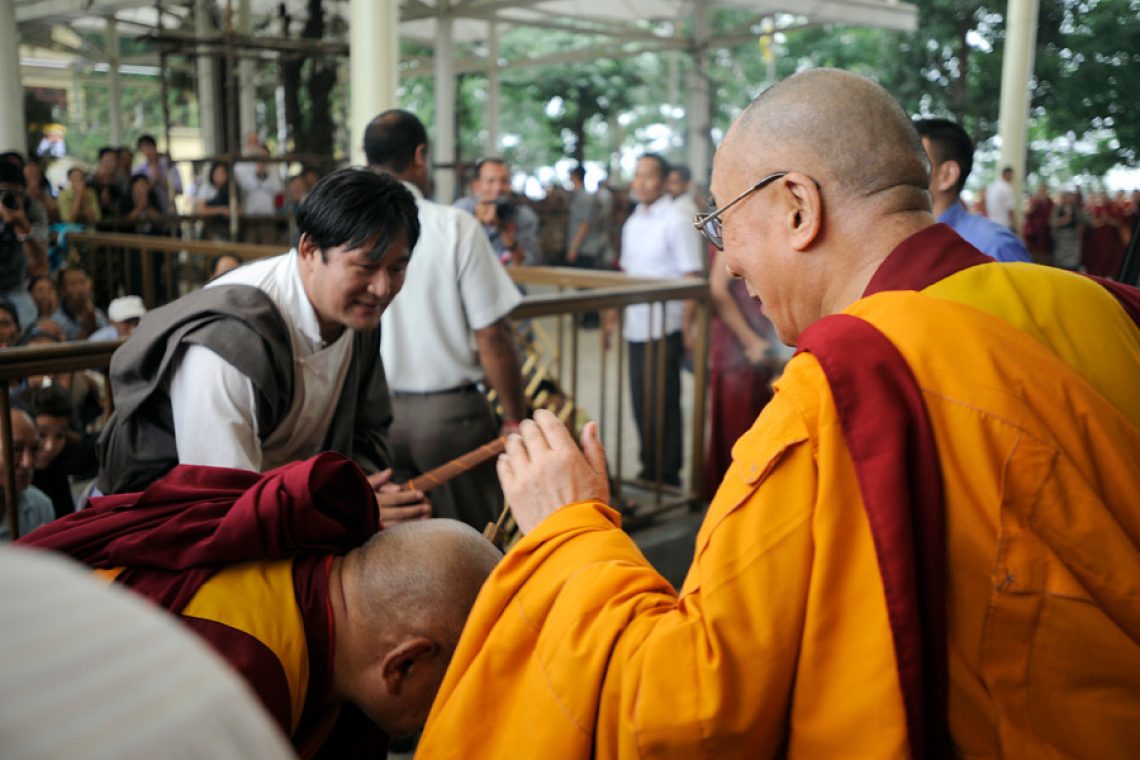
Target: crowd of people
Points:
(940, 482)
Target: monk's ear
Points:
(402, 661)
(420, 156)
(805, 209)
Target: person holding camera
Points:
(20, 251)
(512, 228)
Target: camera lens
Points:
(8, 198)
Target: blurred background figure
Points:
(1037, 231)
(33, 507)
(124, 314)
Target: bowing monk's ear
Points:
(402, 661)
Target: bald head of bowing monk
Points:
(399, 603)
(806, 242)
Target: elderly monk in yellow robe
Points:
(927, 544)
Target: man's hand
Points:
(397, 505)
(543, 469)
(756, 351)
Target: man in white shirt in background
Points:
(260, 184)
(679, 187)
(657, 241)
(445, 336)
(276, 360)
(1001, 205)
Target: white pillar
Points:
(247, 94)
(13, 132)
(115, 82)
(374, 58)
(492, 145)
(1016, 71)
(443, 146)
(207, 84)
(700, 151)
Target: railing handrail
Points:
(174, 245)
(61, 357)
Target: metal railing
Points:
(547, 317)
(157, 268)
(18, 363)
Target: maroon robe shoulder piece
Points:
(891, 441)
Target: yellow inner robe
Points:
(778, 642)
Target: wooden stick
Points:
(494, 531)
(461, 464)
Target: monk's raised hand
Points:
(543, 469)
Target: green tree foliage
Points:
(1086, 76)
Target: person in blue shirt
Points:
(951, 153)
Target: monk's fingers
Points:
(556, 433)
(516, 449)
(534, 436)
(505, 471)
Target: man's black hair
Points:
(580, 172)
(10, 174)
(13, 158)
(105, 150)
(391, 139)
(684, 171)
(949, 142)
(146, 140)
(50, 401)
(352, 207)
(61, 275)
(74, 169)
(662, 165)
(8, 306)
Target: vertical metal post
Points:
(9, 465)
(619, 338)
(574, 374)
(700, 386)
(150, 296)
(659, 384)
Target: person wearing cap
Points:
(124, 314)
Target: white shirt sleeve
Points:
(487, 291)
(686, 245)
(213, 406)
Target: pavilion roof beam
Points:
(62, 11)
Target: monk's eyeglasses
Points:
(710, 224)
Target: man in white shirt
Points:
(657, 241)
(1001, 205)
(276, 360)
(446, 335)
(260, 184)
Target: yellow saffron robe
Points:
(779, 642)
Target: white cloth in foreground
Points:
(92, 671)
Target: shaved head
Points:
(841, 128)
(420, 578)
(399, 604)
(852, 183)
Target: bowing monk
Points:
(343, 632)
(927, 543)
